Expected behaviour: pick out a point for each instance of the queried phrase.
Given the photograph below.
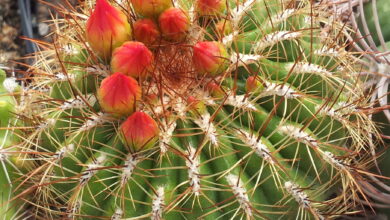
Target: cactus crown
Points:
(247, 110)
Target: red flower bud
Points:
(146, 31)
(151, 8)
(118, 93)
(107, 28)
(210, 57)
(211, 7)
(174, 24)
(132, 59)
(140, 131)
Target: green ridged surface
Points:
(10, 208)
(292, 150)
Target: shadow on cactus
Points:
(195, 109)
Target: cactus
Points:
(249, 109)
(10, 160)
(373, 37)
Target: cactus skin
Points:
(292, 148)
(10, 162)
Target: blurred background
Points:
(19, 20)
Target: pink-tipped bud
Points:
(146, 31)
(253, 84)
(195, 105)
(140, 131)
(174, 24)
(211, 7)
(107, 29)
(215, 90)
(210, 57)
(151, 8)
(132, 59)
(118, 94)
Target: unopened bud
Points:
(210, 57)
(224, 28)
(196, 106)
(146, 31)
(107, 29)
(211, 7)
(174, 24)
(215, 90)
(140, 131)
(151, 8)
(132, 59)
(253, 84)
(118, 94)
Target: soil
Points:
(12, 44)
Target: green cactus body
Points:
(10, 162)
(291, 148)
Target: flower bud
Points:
(118, 93)
(146, 31)
(174, 24)
(215, 90)
(140, 131)
(151, 8)
(253, 84)
(224, 28)
(107, 29)
(210, 57)
(211, 7)
(132, 59)
(152, 98)
(196, 106)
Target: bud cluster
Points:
(131, 54)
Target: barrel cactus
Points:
(194, 110)
(9, 158)
(369, 20)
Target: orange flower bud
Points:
(132, 59)
(146, 31)
(174, 24)
(151, 8)
(211, 7)
(253, 84)
(140, 131)
(210, 57)
(107, 28)
(118, 93)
